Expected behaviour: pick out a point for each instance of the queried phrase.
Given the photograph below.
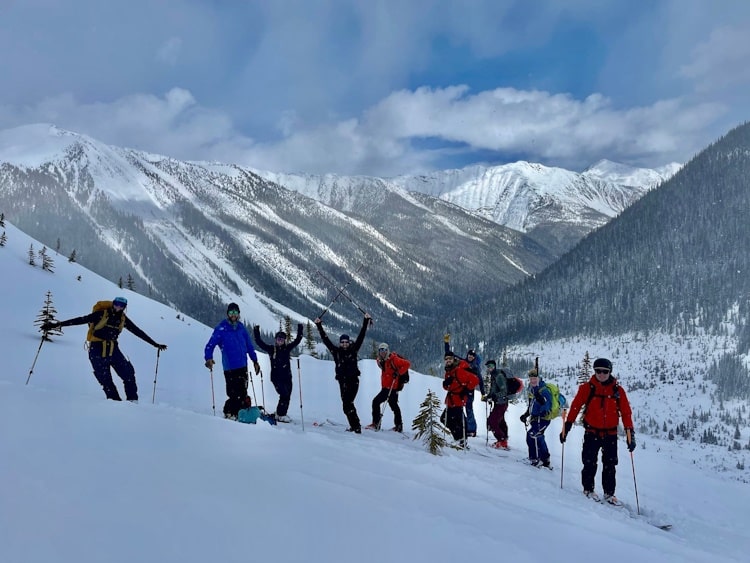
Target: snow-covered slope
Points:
(87, 480)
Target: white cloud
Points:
(720, 62)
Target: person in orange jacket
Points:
(459, 380)
(605, 402)
(393, 375)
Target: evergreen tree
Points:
(428, 426)
(2, 219)
(48, 263)
(3, 239)
(57, 247)
(585, 373)
(47, 314)
(32, 255)
(288, 327)
(131, 283)
(310, 341)
(72, 257)
(119, 283)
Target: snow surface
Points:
(83, 479)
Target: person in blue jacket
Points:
(279, 354)
(232, 338)
(539, 406)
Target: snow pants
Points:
(283, 386)
(496, 421)
(107, 355)
(349, 388)
(592, 443)
(236, 380)
(381, 398)
(535, 439)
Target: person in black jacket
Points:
(104, 351)
(347, 370)
(279, 353)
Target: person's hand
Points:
(318, 321)
(447, 338)
(367, 316)
(256, 367)
(210, 363)
(631, 440)
(161, 347)
(46, 327)
(484, 398)
(447, 382)
(524, 417)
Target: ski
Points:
(632, 513)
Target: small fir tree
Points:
(119, 283)
(32, 255)
(2, 219)
(310, 341)
(47, 315)
(428, 426)
(131, 283)
(48, 263)
(72, 257)
(585, 374)
(3, 239)
(57, 247)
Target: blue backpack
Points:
(251, 415)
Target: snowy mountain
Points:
(555, 206)
(88, 480)
(196, 234)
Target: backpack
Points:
(102, 306)
(559, 401)
(514, 384)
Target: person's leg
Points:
(471, 422)
(377, 401)
(284, 389)
(101, 366)
(589, 455)
(126, 372)
(609, 464)
(398, 423)
(349, 389)
(236, 383)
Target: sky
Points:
(382, 88)
(84, 480)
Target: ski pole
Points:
(299, 384)
(156, 374)
(562, 455)
(255, 401)
(35, 357)
(262, 391)
(635, 484)
(213, 399)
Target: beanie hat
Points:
(344, 338)
(450, 354)
(490, 363)
(471, 352)
(233, 307)
(120, 301)
(603, 363)
(280, 334)
(533, 373)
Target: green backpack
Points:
(559, 401)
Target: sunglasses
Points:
(601, 371)
(233, 312)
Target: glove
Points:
(46, 327)
(210, 363)
(447, 338)
(161, 347)
(564, 433)
(484, 398)
(256, 367)
(631, 442)
(539, 398)
(447, 382)
(524, 417)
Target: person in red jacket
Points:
(604, 402)
(393, 376)
(458, 382)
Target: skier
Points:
(604, 401)
(458, 380)
(232, 338)
(393, 370)
(539, 405)
(498, 394)
(106, 323)
(281, 369)
(475, 366)
(347, 370)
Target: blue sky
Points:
(382, 87)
